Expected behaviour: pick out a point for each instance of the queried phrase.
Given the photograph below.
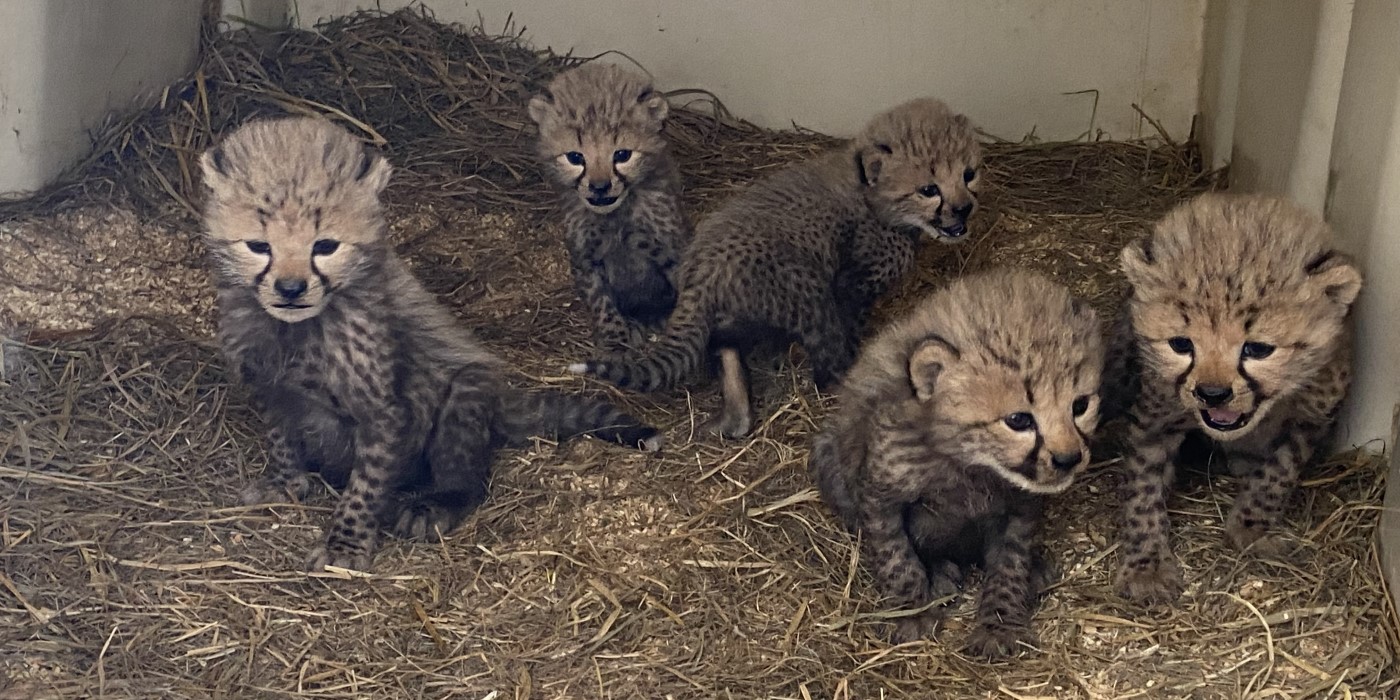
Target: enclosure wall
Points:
(829, 64)
(67, 63)
(1317, 118)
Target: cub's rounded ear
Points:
(870, 159)
(656, 106)
(1335, 276)
(374, 171)
(214, 164)
(926, 363)
(540, 107)
(1136, 261)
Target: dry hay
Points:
(708, 571)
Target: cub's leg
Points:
(459, 454)
(1008, 589)
(284, 480)
(1149, 572)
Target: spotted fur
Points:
(601, 137)
(358, 371)
(804, 253)
(951, 429)
(1236, 331)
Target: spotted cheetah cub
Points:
(600, 134)
(1236, 329)
(951, 429)
(804, 253)
(359, 372)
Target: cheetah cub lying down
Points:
(804, 253)
(1237, 329)
(600, 134)
(358, 370)
(952, 427)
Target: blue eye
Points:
(969, 175)
(622, 155)
(930, 191)
(259, 247)
(1180, 345)
(325, 246)
(574, 158)
(1020, 421)
(1079, 406)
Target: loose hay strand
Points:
(592, 572)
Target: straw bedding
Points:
(709, 571)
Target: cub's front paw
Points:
(342, 554)
(279, 489)
(1254, 537)
(427, 517)
(922, 626)
(997, 641)
(1152, 582)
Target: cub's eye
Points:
(1020, 421)
(259, 247)
(1256, 351)
(930, 191)
(574, 158)
(1079, 406)
(969, 175)
(325, 246)
(1180, 345)
(622, 155)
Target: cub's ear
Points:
(869, 161)
(656, 106)
(926, 363)
(214, 164)
(374, 171)
(1136, 261)
(541, 106)
(1334, 275)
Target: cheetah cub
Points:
(804, 253)
(359, 372)
(600, 134)
(1236, 330)
(953, 426)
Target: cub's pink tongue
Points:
(1223, 416)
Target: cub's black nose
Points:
(1067, 461)
(290, 288)
(1213, 395)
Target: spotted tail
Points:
(679, 352)
(557, 415)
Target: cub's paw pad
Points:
(998, 641)
(731, 425)
(1255, 539)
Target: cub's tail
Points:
(557, 415)
(679, 352)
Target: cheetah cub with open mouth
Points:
(358, 371)
(1236, 330)
(951, 429)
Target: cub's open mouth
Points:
(1224, 419)
(954, 231)
(602, 201)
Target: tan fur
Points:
(927, 424)
(1237, 328)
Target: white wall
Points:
(830, 64)
(68, 63)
